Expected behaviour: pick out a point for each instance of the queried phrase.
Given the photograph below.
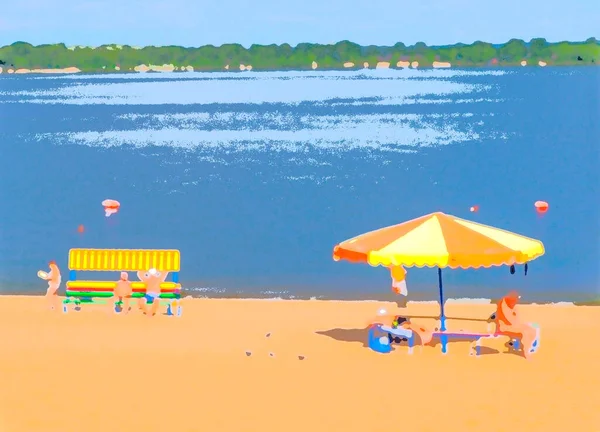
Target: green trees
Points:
(512, 52)
(285, 57)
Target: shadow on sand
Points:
(348, 335)
(362, 336)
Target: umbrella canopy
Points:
(439, 240)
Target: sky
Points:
(378, 22)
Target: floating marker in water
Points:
(474, 209)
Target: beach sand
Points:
(96, 371)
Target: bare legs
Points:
(143, 305)
(52, 297)
(124, 304)
(529, 335)
(526, 333)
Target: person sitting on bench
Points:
(508, 322)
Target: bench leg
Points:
(411, 343)
(444, 342)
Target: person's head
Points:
(52, 264)
(399, 320)
(512, 298)
(124, 276)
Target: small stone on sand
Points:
(268, 335)
(248, 353)
(271, 354)
(301, 357)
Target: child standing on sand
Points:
(123, 293)
(54, 279)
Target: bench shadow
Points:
(348, 335)
(487, 351)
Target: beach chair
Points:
(80, 292)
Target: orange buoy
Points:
(80, 229)
(541, 206)
(110, 206)
(474, 209)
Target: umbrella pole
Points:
(443, 315)
(443, 337)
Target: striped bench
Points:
(121, 260)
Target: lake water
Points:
(256, 176)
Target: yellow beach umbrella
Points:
(439, 240)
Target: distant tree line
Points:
(285, 57)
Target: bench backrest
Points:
(124, 260)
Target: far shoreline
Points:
(343, 55)
(72, 70)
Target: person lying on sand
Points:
(54, 279)
(123, 293)
(425, 335)
(508, 322)
(152, 278)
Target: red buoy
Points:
(541, 206)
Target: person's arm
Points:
(163, 276)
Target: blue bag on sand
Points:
(379, 344)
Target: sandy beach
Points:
(96, 371)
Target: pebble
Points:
(301, 357)
(271, 354)
(248, 353)
(268, 335)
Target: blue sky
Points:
(381, 22)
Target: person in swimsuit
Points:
(509, 323)
(123, 293)
(425, 335)
(54, 279)
(398, 274)
(152, 278)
